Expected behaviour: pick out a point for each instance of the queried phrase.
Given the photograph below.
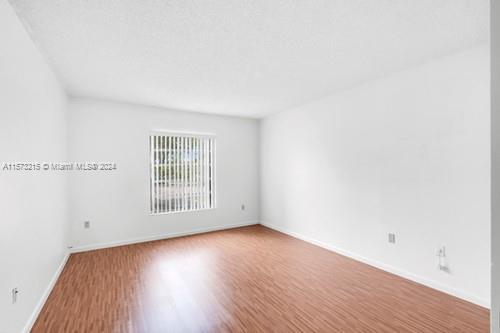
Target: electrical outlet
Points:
(442, 263)
(242, 207)
(15, 291)
(86, 224)
(392, 238)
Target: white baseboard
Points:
(90, 247)
(43, 299)
(388, 268)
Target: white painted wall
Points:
(117, 203)
(495, 166)
(33, 206)
(407, 154)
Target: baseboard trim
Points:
(388, 268)
(91, 247)
(45, 295)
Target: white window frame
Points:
(192, 177)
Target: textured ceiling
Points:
(245, 58)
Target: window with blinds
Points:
(182, 173)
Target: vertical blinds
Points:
(182, 173)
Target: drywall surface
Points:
(408, 154)
(33, 206)
(117, 202)
(495, 166)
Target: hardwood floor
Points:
(249, 279)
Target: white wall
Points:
(407, 154)
(33, 206)
(495, 166)
(117, 203)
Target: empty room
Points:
(249, 166)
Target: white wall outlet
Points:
(86, 224)
(442, 263)
(243, 207)
(392, 238)
(15, 292)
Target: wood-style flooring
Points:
(249, 279)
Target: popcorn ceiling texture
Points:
(243, 58)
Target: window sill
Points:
(182, 211)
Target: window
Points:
(182, 172)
